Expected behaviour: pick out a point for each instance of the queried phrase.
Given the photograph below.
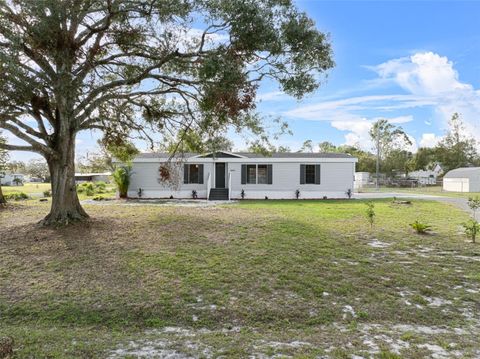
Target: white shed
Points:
(465, 179)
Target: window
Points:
(193, 173)
(251, 174)
(257, 174)
(262, 174)
(309, 174)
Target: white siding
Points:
(336, 179)
(456, 185)
(147, 177)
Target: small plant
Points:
(349, 193)
(242, 194)
(16, 196)
(297, 194)
(194, 194)
(99, 197)
(474, 204)
(18, 181)
(47, 193)
(370, 213)
(140, 192)
(266, 197)
(472, 229)
(121, 176)
(420, 228)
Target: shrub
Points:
(474, 204)
(16, 196)
(472, 228)
(419, 227)
(99, 197)
(121, 176)
(47, 193)
(370, 212)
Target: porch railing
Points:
(229, 186)
(209, 184)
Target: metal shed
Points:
(465, 179)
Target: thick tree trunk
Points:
(66, 207)
(3, 201)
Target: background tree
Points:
(425, 158)
(326, 147)
(3, 168)
(119, 66)
(16, 167)
(456, 149)
(37, 168)
(307, 146)
(103, 159)
(386, 137)
(193, 141)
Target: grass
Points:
(36, 190)
(430, 190)
(300, 278)
(28, 188)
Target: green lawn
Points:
(28, 188)
(430, 190)
(260, 278)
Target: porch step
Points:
(218, 194)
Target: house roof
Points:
(292, 155)
(463, 172)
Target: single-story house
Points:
(92, 177)
(12, 179)
(227, 175)
(464, 179)
(427, 177)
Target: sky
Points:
(414, 63)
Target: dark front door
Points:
(220, 175)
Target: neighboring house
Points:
(12, 179)
(427, 177)
(92, 177)
(362, 179)
(465, 179)
(225, 175)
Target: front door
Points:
(220, 175)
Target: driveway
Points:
(456, 201)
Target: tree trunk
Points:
(66, 207)
(3, 201)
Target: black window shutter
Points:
(185, 173)
(244, 174)
(200, 174)
(302, 174)
(269, 174)
(317, 174)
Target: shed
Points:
(464, 179)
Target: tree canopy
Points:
(128, 67)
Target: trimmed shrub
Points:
(472, 229)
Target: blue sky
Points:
(412, 62)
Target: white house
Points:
(427, 177)
(465, 179)
(225, 175)
(12, 179)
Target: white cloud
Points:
(429, 140)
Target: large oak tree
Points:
(119, 66)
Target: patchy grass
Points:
(28, 188)
(262, 278)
